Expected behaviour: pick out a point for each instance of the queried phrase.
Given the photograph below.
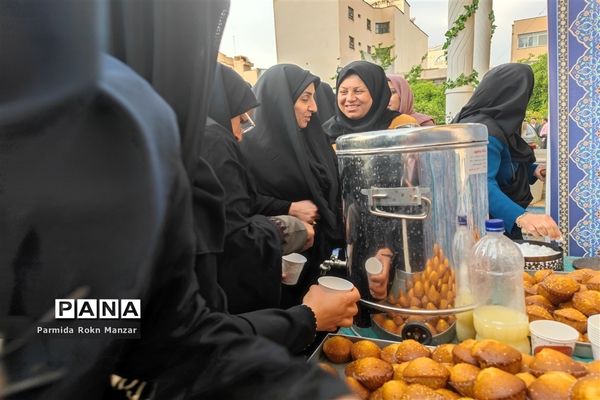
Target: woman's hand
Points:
(305, 210)
(332, 309)
(540, 173)
(378, 284)
(539, 225)
(310, 236)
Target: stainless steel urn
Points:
(402, 191)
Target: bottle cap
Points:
(462, 220)
(494, 225)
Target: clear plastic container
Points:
(496, 268)
(462, 247)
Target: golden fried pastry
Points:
(583, 337)
(558, 288)
(495, 384)
(532, 290)
(594, 282)
(572, 317)
(443, 353)
(462, 378)
(426, 372)
(421, 392)
(539, 300)
(526, 377)
(411, 349)
(364, 348)
(399, 370)
(526, 360)
(372, 372)
(542, 274)
(551, 386)
(588, 302)
(582, 275)
(329, 369)
(388, 353)
(535, 312)
(552, 360)
(593, 367)
(528, 278)
(448, 394)
(358, 389)
(337, 349)
(376, 395)
(461, 353)
(587, 388)
(393, 390)
(492, 353)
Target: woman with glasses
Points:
(291, 159)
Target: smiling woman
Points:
(363, 96)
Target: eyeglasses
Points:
(246, 124)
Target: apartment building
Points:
(242, 65)
(322, 35)
(529, 38)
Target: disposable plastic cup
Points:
(373, 266)
(594, 334)
(335, 284)
(291, 268)
(554, 335)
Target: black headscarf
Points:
(378, 117)
(288, 162)
(499, 102)
(231, 96)
(325, 98)
(148, 35)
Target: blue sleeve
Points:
(501, 206)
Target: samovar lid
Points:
(416, 138)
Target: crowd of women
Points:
(101, 194)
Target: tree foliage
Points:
(538, 104)
(381, 56)
(430, 99)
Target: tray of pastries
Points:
(481, 370)
(567, 297)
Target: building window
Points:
(351, 13)
(368, 24)
(351, 42)
(534, 39)
(382, 27)
(368, 49)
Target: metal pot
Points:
(402, 191)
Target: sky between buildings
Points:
(250, 28)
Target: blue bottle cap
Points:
(462, 220)
(494, 225)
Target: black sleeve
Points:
(270, 206)
(185, 348)
(294, 328)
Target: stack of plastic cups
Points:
(594, 334)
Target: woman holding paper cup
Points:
(289, 155)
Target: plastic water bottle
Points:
(462, 246)
(497, 267)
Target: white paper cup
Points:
(291, 268)
(594, 334)
(554, 335)
(335, 284)
(373, 266)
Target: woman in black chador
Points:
(290, 158)
(250, 266)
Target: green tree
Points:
(430, 99)
(381, 56)
(538, 104)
